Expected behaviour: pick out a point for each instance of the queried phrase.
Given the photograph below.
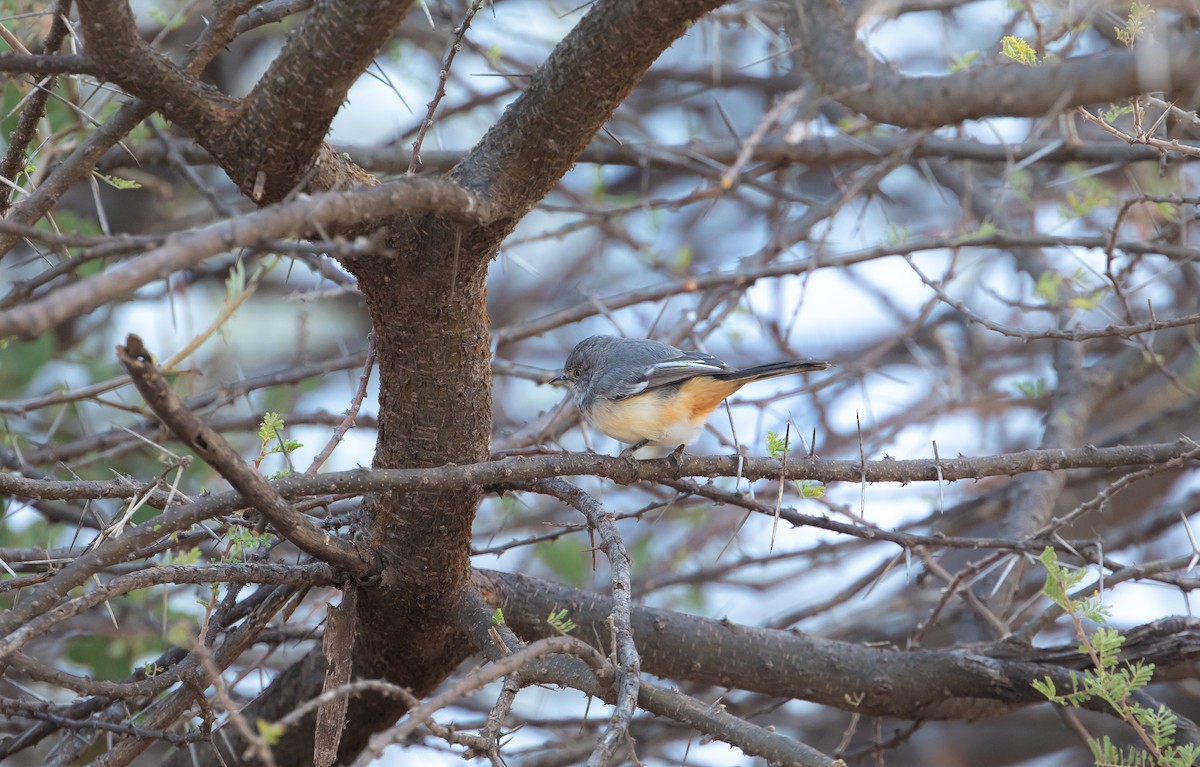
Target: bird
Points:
(644, 392)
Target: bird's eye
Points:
(574, 372)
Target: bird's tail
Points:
(772, 369)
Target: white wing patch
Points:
(712, 365)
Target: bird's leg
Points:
(628, 452)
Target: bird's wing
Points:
(681, 367)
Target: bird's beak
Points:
(558, 380)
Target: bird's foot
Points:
(628, 452)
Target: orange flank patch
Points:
(702, 394)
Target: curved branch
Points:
(40, 599)
(268, 142)
(475, 680)
(924, 684)
(747, 275)
(35, 107)
(837, 59)
(112, 41)
(331, 209)
(707, 157)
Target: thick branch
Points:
(498, 641)
(284, 119)
(570, 97)
(925, 684)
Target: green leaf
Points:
(1018, 50)
(1032, 389)
(564, 559)
(1135, 24)
(1114, 112)
(776, 445)
(1048, 286)
(895, 235)
(244, 541)
(812, 489)
(1111, 682)
(987, 228)
(269, 731)
(960, 62)
(684, 256)
(235, 283)
(22, 360)
(271, 426)
(1088, 301)
(560, 622)
(184, 558)
(1088, 195)
(166, 22)
(116, 182)
(1046, 687)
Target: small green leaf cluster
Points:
(1111, 680)
(964, 61)
(116, 182)
(896, 235)
(1035, 389)
(987, 228)
(1015, 48)
(1116, 111)
(270, 732)
(777, 447)
(270, 434)
(1086, 295)
(560, 622)
(244, 541)
(1088, 195)
(183, 558)
(1135, 24)
(810, 488)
